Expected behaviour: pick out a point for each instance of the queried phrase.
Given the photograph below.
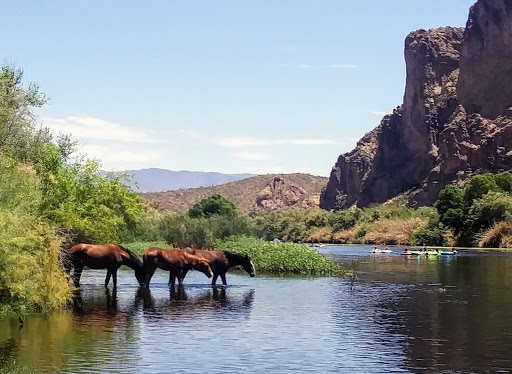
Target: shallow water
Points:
(398, 315)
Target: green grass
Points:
(282, 257)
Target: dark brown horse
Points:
(102, 256)
(176, 261)
(221, 261)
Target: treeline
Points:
(477, 215)
(47, 198)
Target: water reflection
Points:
(444, 314)
(184, 302)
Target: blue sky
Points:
(229, 86)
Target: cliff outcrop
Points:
(454, 121)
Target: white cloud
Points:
(381, 113)
(259, 142)
(97, 128)
(252, 156)
(114, 157)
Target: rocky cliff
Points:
(454, 122)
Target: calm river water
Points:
(399, 315)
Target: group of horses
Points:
(178, 262)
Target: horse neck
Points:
(133, 261)
(234, 259)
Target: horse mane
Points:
(133, 256)
(234, 256)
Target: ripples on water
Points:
(400, 315)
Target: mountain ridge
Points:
(253, 195)
(157, 179)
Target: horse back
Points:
(216, 259)
(99, 251)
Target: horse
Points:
(101, 256)
(176, 261)
(220, 262)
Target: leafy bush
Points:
(490, 209)
(431, 233)
(182, 230)
(281, 257)
(31, 277)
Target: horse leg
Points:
(223, 278)
(180, 277)
(172, 278)
(77, 273)
(150, 270)
(214, 279)
(114, 277)
(107, 279)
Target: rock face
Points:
(485, 84)
(280, 195)
(436, 138)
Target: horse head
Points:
(203, 266)
(249, 266)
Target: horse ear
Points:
(246, 257)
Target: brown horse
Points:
(101, 256)
(220, 262)
(176, 261)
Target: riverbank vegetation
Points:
(477, 215)
(47, 197)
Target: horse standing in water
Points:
(220, 262)
(101, 256)
(176, 261)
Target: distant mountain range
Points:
(154, 179)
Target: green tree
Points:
(478, 186)
(490, 209)
(213, 205)
(504, 181)
(450, 197)
(16, 104)
(449, 206)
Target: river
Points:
(399, 314)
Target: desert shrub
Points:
(320, 235)
(392, 231)
(498, 236)
(344, 236)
